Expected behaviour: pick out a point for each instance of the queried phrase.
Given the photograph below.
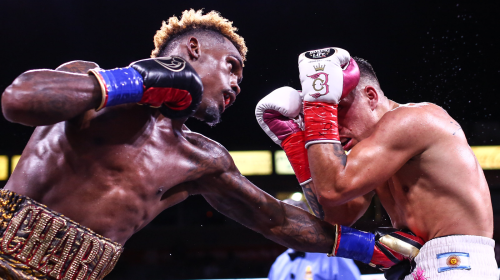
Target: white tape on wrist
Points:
(321, 142)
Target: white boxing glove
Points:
(327, 76)
(275, 113)
(278, 115)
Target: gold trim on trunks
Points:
(38, 243)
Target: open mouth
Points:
(228, 99)
(346, 143)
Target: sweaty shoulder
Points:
(77, 66)
(211, 156)
(416, 124)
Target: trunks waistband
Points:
(42, 244)
(451, 240)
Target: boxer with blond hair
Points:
(110, 152)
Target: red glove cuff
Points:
(320, 120)
(297, 155)
(175, 99)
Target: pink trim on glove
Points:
(280, 125)
(351, 78)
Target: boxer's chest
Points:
(398, 193)
(151, 159)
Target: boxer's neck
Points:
(385, 105)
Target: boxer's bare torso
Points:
(417, 160)
(114, 170)
(441, 190)
(117, 174)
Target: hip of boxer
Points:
(456, 257)
(38, 243)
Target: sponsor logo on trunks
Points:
(57, 247)
(319, 54)
(453, 260)
(173, 63)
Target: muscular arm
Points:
(44, 97)
(215, 176)
(236, 197)
(339, 178)
(345, 214)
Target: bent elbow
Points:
(16, 99)
(330, 198)
(326, 201)
(10, 104)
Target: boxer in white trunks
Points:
(415, 157)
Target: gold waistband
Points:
(41, 243)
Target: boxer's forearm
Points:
(327, 163)
(45, 97)
(303, 232)
(285, 224)
(345, 214)
(310, 193)
(348, 213)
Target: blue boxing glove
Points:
(385, 248)
(168, 83)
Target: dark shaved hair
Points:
(366, 71)
(176, 39)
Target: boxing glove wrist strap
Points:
(320, 121)
(119, 86)
(297, 156)
(353, 244)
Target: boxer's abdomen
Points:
(112, 188)
(439, 192)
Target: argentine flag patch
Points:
(454, 260)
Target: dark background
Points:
(437, 51)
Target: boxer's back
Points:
(112, 174)
(441, 190)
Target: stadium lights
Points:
(297, 196)
(251, 163)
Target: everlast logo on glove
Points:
(173, 63)
(321, 53)
(168, 83)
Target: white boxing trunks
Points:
(456, 257)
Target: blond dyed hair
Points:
(195, 20)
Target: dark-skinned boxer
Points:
(99, 167)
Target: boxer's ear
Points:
(193, 48)
(372, 95)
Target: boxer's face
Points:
(356, 118)
(221, 70)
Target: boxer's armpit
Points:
(339, 152)
(312, 200)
